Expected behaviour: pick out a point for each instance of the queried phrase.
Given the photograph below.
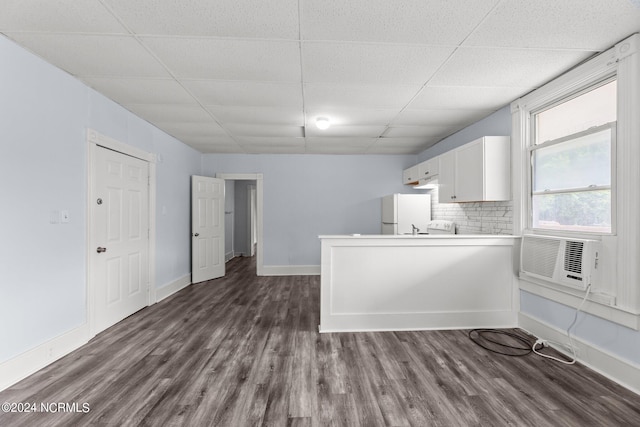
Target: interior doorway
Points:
(244, 217)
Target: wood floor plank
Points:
(245, 351)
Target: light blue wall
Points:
(44, 116)
(496, 124)
(602, 333)
(310, 195)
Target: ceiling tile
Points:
(395, 21)
(246, 93)
(94, 56)
(170, 113)
(418, 131)
(505, 67)
(240, 129)
(439, 117)
(338, 145)
(187, 131)
(257, 60)
(141, 91)
(273, 145)
(217, 148)
(257, 115)
(371, 63)
(357, 131)
(452, 97)
(401, 145)
(220, 18)
(570, 24)
(275, 149)
(342, 116)
(64, 16)
(219, 140)
(336, 96)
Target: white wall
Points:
(44, 116)
(309, 195)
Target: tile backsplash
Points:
(475, 217)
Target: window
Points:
(576, 169)
(571, 152)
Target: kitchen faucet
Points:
(414, 230)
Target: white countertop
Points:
(419, 236)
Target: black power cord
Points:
(482, 336)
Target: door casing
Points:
(95, 139)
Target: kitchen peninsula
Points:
(405, 282)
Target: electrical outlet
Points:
(64, 217)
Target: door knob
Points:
(100, 250)
(197, 234)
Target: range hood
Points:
(426, 184)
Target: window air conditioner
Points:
(561, 260)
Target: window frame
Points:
(617, 296)
(532, 148)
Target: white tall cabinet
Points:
(477, 171)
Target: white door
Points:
(207, 228)
(120, 227)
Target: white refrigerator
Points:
(400, 211)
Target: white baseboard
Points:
(228, 256)
(173, 287)
(378, 322)
(625, 373)
(31, 361)
(291, 270)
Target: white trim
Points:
(611, 366)
(31, 361)
(291, 270)
(95, 139)
(564, 296)
(229, 256)
(258, 178)
(173, 287)
(379, 322)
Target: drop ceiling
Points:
(252, 76)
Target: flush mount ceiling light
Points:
(323, 123)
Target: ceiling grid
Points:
(246, 76)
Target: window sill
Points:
(573, 298)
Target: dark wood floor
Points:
(245, 351)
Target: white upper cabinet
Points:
(477, 171)
(410, 175)
(446, 178)
(421, 171)
(428, 168)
